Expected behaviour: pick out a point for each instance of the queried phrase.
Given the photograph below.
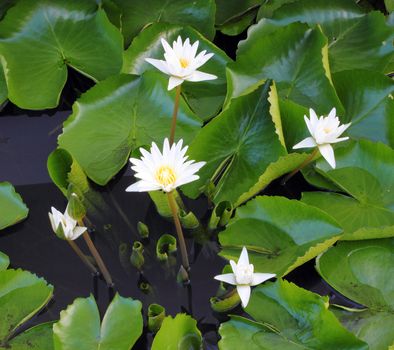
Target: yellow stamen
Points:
(184, 62)
(327, 130)
(165, 176)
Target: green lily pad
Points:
(4, 261)
(22, 295)
(287, 317)
(13, 209)
(3, 86)
(351, 33)
(39, 39)
(295, 57)
(279, 234)
(206, 97)
(134, 110)
(238, 146)
(362, 271)
(180, 332)
(365, 171)
(36, 338)
(79, 325)
(369, 105)
(137, 14)
(375, 328)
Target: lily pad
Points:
(4, 261)
(295, 57)
(134, 110)
(235, 162)
(79, 325)
(346, 26)
(137, 14)
(22, 295)
(180, 332)
(287, 317)
(3, 86)
(39, 39)
(206, 97)
(365, 171)
(280, 234)
(13, 209)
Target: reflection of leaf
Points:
(133, 111)
(287, 317)
(12, 207)
(365, 170)
(39, 39)
(206, 97)
(280, 234)
(180, 332)
(137, 14)
(79, 325)
(238, 146)
(295, 57)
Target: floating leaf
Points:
(79, 325)
(361, 271)
(206, 97)
(135, 112)
(346, 26)
(12, 207)
(22, 295)
(238, 146)
(3, 86)
(295, 57)
(39, 39)
(180, 332)
(4, 261)
(280, 234)
(137, 14)
(365, 170)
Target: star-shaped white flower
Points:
(163, 171)
(181, 62)
(244, 277)
(64, 225)
(324, 131)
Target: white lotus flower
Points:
(163, 171)
(324, 131)
(244, 277)
(64, 225)
(181, 62)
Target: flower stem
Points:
(175, 114)
(181, 239)
(97, 257)
(83, 257)
(301, 166)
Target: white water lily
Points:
(163, 171)
(244, 277)
(324, 131)
(181, 62)
(64, 225)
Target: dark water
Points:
(31, 245)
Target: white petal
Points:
(306, 143)
(52, 221)
(166, 45)
(200, 76)
(173, 82)
(340, 139)
(159, 64)
(332, 113)
(261, 277)
(328, 153)
(140, 186)
(227, 277)
(308, 124)
(79, 230)
(233, 266)
(243, 258)
(244, 294)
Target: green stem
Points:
(181, 239)
(303, 165)
(175, 114)
(97, 256)
(83, 257)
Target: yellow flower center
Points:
(184, 62)
(327, 130)
(165, 176)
